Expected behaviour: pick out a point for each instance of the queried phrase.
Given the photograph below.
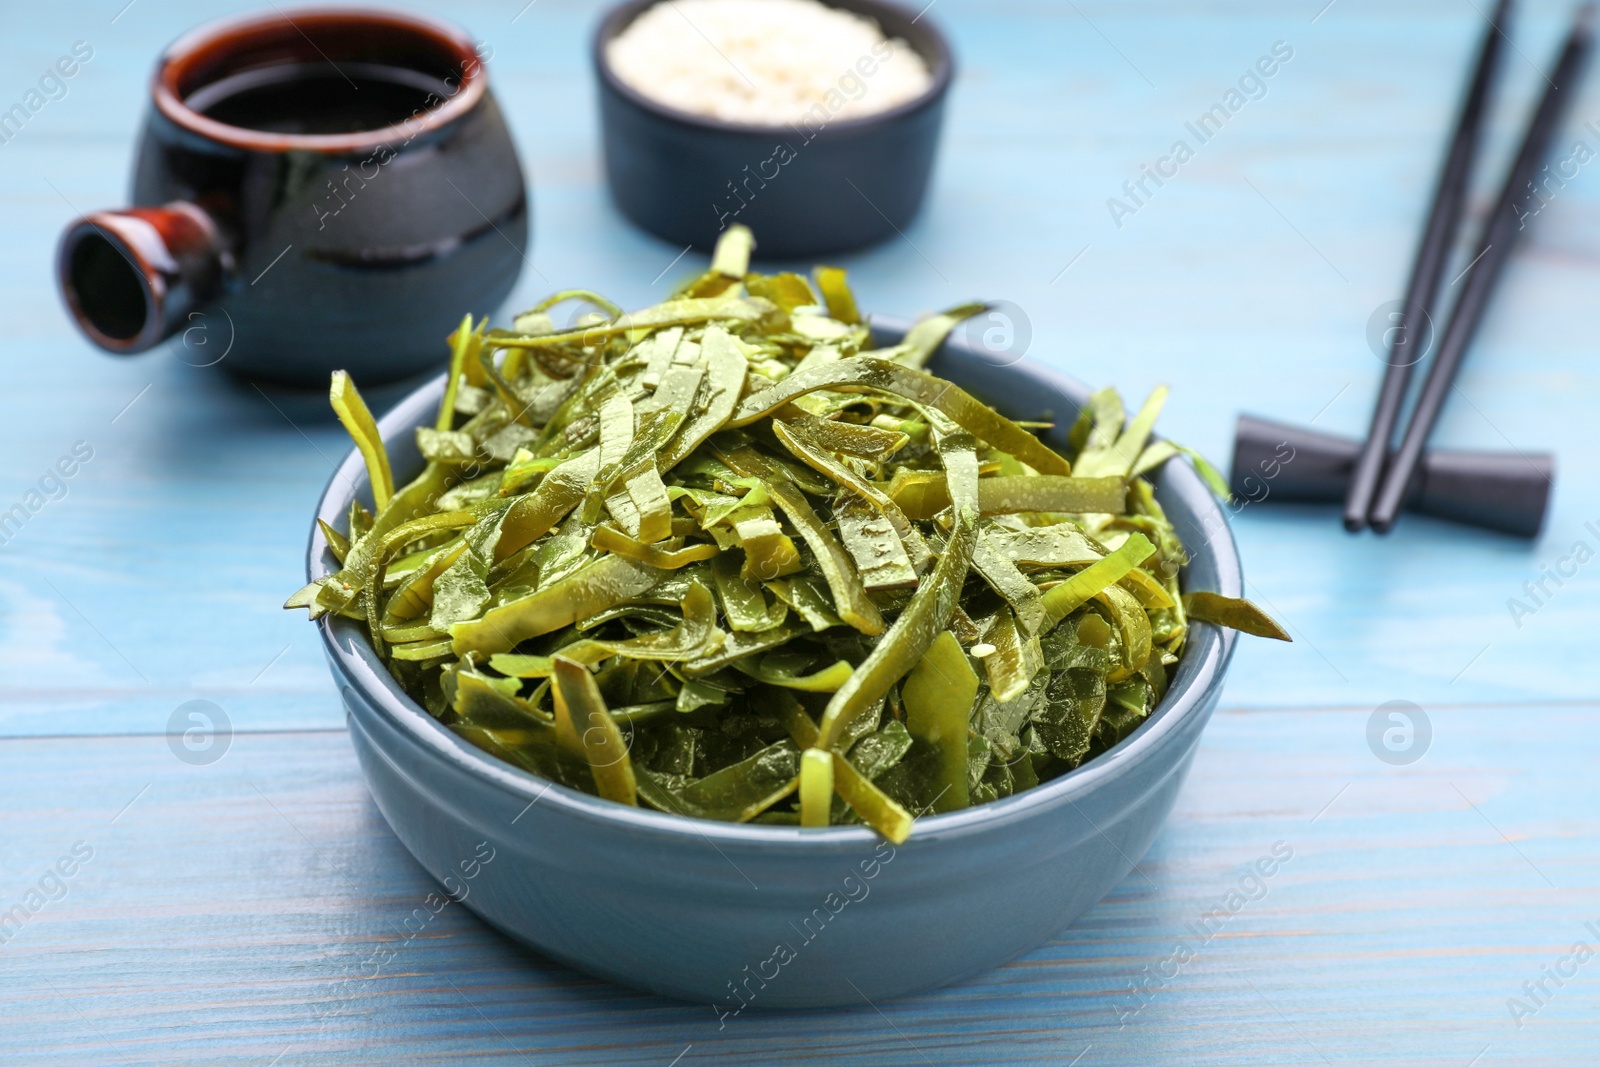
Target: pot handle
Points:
(131, 277)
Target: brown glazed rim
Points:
(213, 43)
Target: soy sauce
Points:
(319, 98)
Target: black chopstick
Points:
(1433, 253)
(1504, 225)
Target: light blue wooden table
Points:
(225, 910)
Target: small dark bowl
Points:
(806, 190)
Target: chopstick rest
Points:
(1502, 491)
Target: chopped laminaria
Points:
(722, 558)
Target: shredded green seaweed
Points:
(722, 558)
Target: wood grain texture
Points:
(227, 913)
(230, 911)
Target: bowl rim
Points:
(355, 663)
(941, 66)
(179, 60)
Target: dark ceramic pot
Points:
(314, 190)
(818, 187)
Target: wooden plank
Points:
(229, 913)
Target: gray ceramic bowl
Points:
(770, 916)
